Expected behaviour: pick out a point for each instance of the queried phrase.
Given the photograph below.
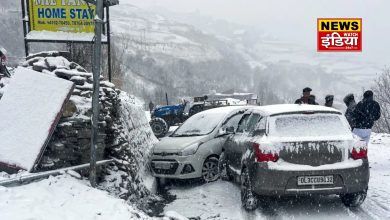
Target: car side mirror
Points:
(226, 131)
(230, 130)
(259, 132)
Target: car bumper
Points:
(278, 182)
(178, 165)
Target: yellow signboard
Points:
(61, 15)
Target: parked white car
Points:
(193, 150)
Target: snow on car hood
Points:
(175, 144)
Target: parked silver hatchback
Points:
(193, 150)
(282, 150)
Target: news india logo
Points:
(339, 34)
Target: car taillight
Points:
(264, 157)
(359, 153)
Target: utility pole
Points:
(96, 83)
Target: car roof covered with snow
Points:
(269, 110)
(226, 109)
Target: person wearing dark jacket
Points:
(305, 96)
(365, 114)
(151, 106)
(329, 101)
(312, 100)
(350, 102)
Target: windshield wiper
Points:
(185, 135)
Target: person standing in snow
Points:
(305, 96)
(329, 101)
(3, 60)
(312, 100)
(151, 106)
(365, 114)
(350, 102)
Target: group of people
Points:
(310, 99)
(360, 116)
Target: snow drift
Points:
(63, 197)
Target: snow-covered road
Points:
(221, 200)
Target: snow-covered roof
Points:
(29, 110)
(225, 110)
(289, 108)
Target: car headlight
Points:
(190, 150)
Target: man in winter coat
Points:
(305, 96)
(365, 114)
(350, 102)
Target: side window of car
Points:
(252, 122)
(232, 121)
(261, 125)
(260, 128)
(242, 123)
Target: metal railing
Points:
(29, 177)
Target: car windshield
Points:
(308, 125)
(200, 124)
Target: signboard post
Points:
(96, 83)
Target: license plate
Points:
(315, 180)
(162, 165)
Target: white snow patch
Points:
(29, 108)
(107, 84)
(62, 198)
(62, 36)
(58, 62)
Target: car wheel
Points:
(248, 198)
(159, 126)
(210, 169)
(354, 199)
(223, 168)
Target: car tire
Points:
(354, 200)
(159, 127)
(210, 172)
(223, 170)
(249, 199)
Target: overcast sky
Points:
(295, 20)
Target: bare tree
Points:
(382, 95)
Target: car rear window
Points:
(308, 125)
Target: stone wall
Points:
(124, 132)
(71, 141)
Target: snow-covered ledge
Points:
(62, 36)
